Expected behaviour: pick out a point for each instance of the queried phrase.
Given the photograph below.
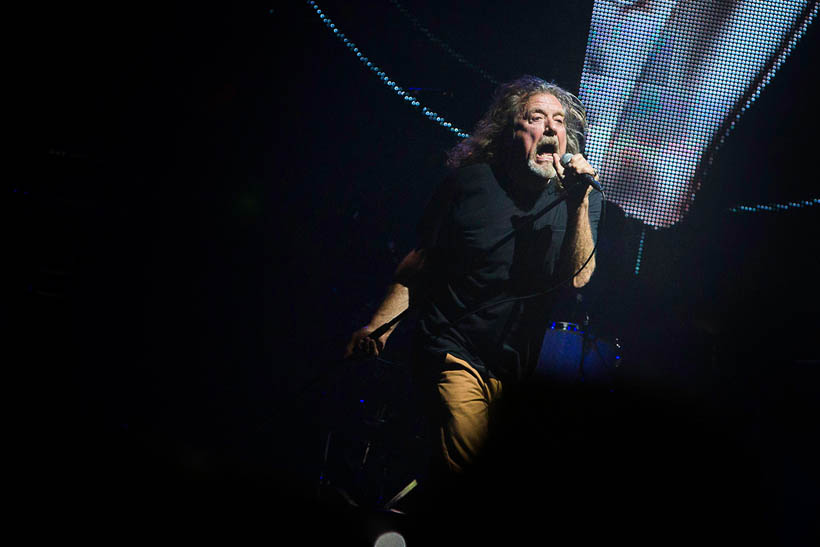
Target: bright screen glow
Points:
(663, 83)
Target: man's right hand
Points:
(395, 302)
(362, 345)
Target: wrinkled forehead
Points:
(546, 103)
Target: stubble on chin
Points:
(545, 171)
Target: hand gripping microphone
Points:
(583, 178)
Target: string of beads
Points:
(397, 89)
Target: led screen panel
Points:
(663, 82)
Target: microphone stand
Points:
(384, 328)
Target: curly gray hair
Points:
(509, 100)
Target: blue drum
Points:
(570, 356)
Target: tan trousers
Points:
(466, 401)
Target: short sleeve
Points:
(596, 203)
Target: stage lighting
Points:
(390, 539)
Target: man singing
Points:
(509, 223)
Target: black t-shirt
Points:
(483, 246)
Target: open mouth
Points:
(545, 150)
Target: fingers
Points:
(362, 345)
(580, 165)
(369, 346)
(577, 165)
(353, 346)
(556, 159)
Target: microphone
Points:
(584, 178)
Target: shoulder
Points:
(477, 173)
(464, 184)
(471, 179)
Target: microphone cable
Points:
(554, 287)
(383, 328)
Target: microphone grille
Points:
(565, 159)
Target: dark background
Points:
(216, 197)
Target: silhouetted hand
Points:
(362, 345)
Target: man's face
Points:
(540, 132)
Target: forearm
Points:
(577, 246)
(396, 300)
(394, 303)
